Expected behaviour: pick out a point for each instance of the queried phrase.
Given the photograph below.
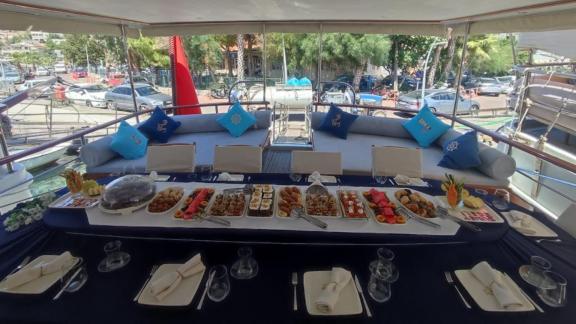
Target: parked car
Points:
(506, 83)
(42, 71)
(146, 97)
(92, 95)
(405, 83)
(79, 72)
(60, 68)
(39, 90)
(488, 86)
(438, 101)
(138, 79)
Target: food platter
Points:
(288, 198)
(417, 202)
(261, 204)
(195, 205)
(353, 206)
(74, 201)
(382, 207)
(322, 205)
(166, 201)
(231, 206)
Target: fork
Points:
(451, 282)
(294, 284)
(549, 240)
(154, 268)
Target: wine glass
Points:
(220, 285)
(246, 266)
(115, 259)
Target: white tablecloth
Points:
(142, 219)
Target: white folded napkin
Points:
(28, 274)
(405, 180)
(339, 278)
(165, 285)
(520, 219)
(315, 176)
(225, 176)
(492, 280)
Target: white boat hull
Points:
(14, 187)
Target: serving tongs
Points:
(410, 214)
(247, 189)
(315, 188)
(443, 212)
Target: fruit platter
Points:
(233, 205)
(322, 204)
(384, 210)
(288, 199)
(416, 202)
(196, 204)
(261, 201)
(165, 200)
(352, 206)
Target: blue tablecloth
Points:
(76, 222)
(421, 295)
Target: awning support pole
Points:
(319, 76)
(460, 71)
(125, 42)
(264, 62)
(4, 146)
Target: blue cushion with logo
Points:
(425, 128)
(461, 152)
(159, 126)
(129, 142)
(237, 120)
(337, 122)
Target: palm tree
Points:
(240, 63)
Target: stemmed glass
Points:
(220, 285)
(115, 259)
(246, 266)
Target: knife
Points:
(21, 265)
(68, 283)
(208, 283)
(361, 292)
(415, 217)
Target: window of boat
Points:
(146, 91)
(556, 137)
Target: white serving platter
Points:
(62, 202)
(218, 192)
(538, 229)
(348, 303)
(485, 300)
(372, 213)
(176, 205)
(358, 193)
(183, 203)
(40, 285)
(461, 212)
(181, 296)
(277, 201)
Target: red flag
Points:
(183, 85)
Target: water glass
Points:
(534, 273)
(555, 296)
(379, 288)
(246, 266)
(295, 177)
(220, 285)
(384, 265)
(380, 179)
(204, 172)
(501, 199)
(115, 258)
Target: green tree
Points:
(144, 52)
(77, 45)
(204, 53)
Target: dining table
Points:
(420, 295)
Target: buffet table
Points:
(420, 295)
(273, 229)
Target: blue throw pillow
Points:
(159, 126)
(461, 152)
(303, 82)
(425, 128)
(237, 120)
(337, 122)
(129, 142)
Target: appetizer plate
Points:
(213, 200)
(372, 213)
(539, 229)
(41, 284)
(485, 300)
(392, 197)
(277, 201)
(484, 214)
(74, 201)
(360, 199)
(171, 209)
(182, 204)
(348, 302)
(181, 296)
(338, 208)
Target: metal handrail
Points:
(79, 134)
(497, 137)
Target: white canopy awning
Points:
(562, 43)
(169, 17)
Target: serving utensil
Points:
(154, 268)
(408, 213)
(298, 212)
(247, 189)
(361, 292)
(549, 240)
(451, 282)
(443, 212)
(295, 284)
(528, 297)
(207, 285)
(215, 220)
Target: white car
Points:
(91, 95)
(60, 68)
(36, 88)
(42, 71)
